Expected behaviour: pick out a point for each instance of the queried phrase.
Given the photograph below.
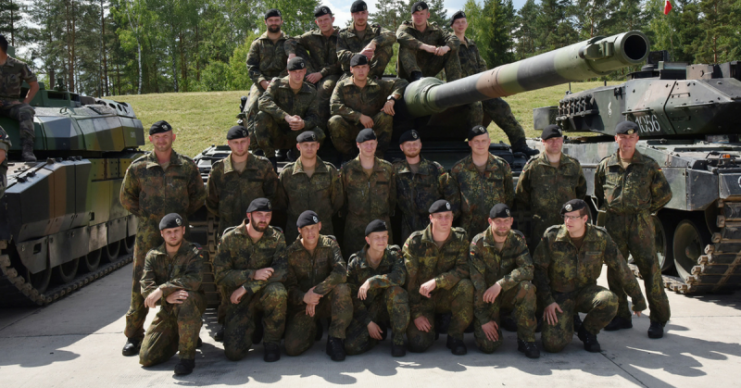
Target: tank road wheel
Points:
(128, 244)
(66, 272)
(663, 240)
(91, 261)
(690, 239)
(110, 251)
(39, 281)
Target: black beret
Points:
(551, 131)
(476, 131)
(237, 132)
(626, 128)
(500, 210)
(376, 226)
(321, 11)
(365, 135)
(358, 6)
(260, 205)
(296, 63)
(456, 16)
(307, 218)
(306, 136)
(573, 205)
(172, 220)
(418, 6)
(440, 206)
(272, 12)
(358, 59)
(410, 135)
(161, 126)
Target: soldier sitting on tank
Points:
(172, 279)
(568, 262)
(4, 148)
(287, 108)
(425, 49)
(251, 266)
(360, 102)
(376, 275)
(12, 74)
(373, 41)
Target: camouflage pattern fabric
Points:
(265, 60)
(241, 319)
(322, 193)
(386, 303)
(470, 58)
(343, 133)
(415, 193)
(149, 193)
(366, 198)
(12, 74)
(411, 58)
(176, 326)
(272, 135)
(349, 44)
(319, 51)
(23, 113)
(5, 146)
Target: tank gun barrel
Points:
(577, 62)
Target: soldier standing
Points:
(425, 49)
(4, 148)
(172, 278)
(251, 266)
(568, 262)
(310, 184)
(376, 275)
(157, 184)
(373, 41)
(436, 261)
(370, 191)
(630, 187)
(316, 289)
(482, 181)
(12, 74)
(501, 271)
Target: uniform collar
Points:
(589, 235)
(318, 32)
(322, 243)
(359, 167)
(543, 159)
(489, 238)
(614, 159)
(490, 163)
(363, 257)
(152, 159)
(424, 166)
(320, 167)
(351, 29)
(427, 235)
(264, 35)
(162, 249)
(229, 167)
(285, 84)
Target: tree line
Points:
(115, 47)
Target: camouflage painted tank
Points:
(689, 122)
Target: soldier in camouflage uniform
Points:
(630, 187)
(360, 102)
(501, 271)
(4, 148)
(547, 182)
(373, 41)
(251, 266)
(370, 192)
(172, 278)
(288, 108)
(436, 260)
(568, 262)
(310, 184)
(12, 74)
(316, 290)
(425, 49)
(319, 48)
(159, 183)
(376, 275)
(481, 180)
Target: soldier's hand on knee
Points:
(550, 313)
(491, 330)
(314, 77)
(177, 297)
(492, 292)
(422, 324)
(366, 121)
(264, 274)
(311, 297)
(375, 331)
(427, 287)
(237, 295)
(363, 290)
(153, 298)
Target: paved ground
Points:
(77, 341)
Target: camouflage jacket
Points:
(12, 75)
(266, 59)
(230, 192)
(390, 272)
(562, 269)
(280, 101)
(349, 44)
(238, 258)
(543, 189)
(321, 49)
(471, 61)
(415, 193)
(349, 101)
(488, 266)
(184, 271)
(371, 196)
(411, 38)
(5, 146)
(323, 270)
(322, 192)
(425, 261)
(639, 188)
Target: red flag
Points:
(667, 7)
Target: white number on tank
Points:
(648, 123)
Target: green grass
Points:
(202, 119)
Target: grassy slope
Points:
(202, 119)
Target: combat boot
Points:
(456, 346)
(577, 323)
(529, 348)
(319, 330)
(27, 153)
(618, 323)
(442, 322)
(132, 347)
(398, 350)
(219, 336)
(521, 146)
(656, 330)
(590, 340)
(258, 333)
(335, 349)
(185, 367)
(272, 352)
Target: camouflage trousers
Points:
(175, 328)
(240, 320)
(23, 113)
(272, 135)
(387, 307)
(301, 328)
(343, 133)
(634, 234)
(147, 238)
(353, 238)
(428, 64)
(458, 301)
(324, 89)
(250, 111)
(539, 225)
(599, 303)
(522, 299)
(411, 223)
(476, 221)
